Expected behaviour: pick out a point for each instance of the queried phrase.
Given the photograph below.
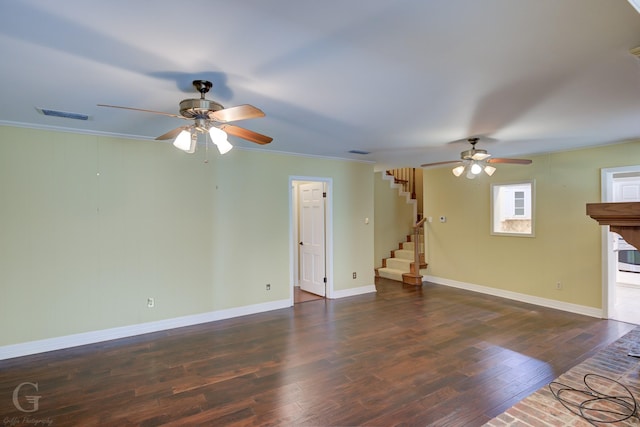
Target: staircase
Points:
(406, 177)
(401, 265)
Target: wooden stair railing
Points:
(405, 177)
(414, 277)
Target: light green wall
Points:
(566, 246)
(393, 218)
(91, 226)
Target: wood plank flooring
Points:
(404, 356)
(303, 296)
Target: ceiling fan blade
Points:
(513, 161)
(448, 162)
(232, 114)
(142, 110)
(247, 134)
(172, 133)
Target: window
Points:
(518, 203)
(512, 209)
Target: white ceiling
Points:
(407, 80)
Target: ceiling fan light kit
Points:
(457, 171)
(489, 170)
(186, 141)
(474, 161)
(211, 119)
(219, 137)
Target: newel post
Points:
(414, 277)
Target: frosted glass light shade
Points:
(219, 137)
(476, 169)
(185, 142)
(224, 146)
(457, 171)
(489, 170)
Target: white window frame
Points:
(498, 207)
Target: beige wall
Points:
(566, 246)
(393, 218)
(91, 226)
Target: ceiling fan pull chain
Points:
(206, 147)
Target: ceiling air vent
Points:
(359, 152)
(63, 114)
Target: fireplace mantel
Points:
(621, 217)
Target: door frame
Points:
(293, 223)
(609, 266)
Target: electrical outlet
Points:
(151, 302)
(558, 285)
(354, 275)
(268, 286)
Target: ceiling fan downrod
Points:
(203, 86)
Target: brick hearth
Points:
(613, 362)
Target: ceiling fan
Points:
(209, 118)
(475, 160)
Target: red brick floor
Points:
(613, 363)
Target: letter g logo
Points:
(31, 399)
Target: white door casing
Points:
(614, 188)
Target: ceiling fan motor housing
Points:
(474, 154)
(198, 108)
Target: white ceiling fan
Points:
(209, 118)
(474, 161)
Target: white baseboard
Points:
(543, 302)
(50, 344)
(75, 340)
(41, 346)
(343, 293)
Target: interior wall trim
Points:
(75, 340)
(543, 302)
(343, 293)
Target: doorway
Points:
(311, 244)
(621, 261)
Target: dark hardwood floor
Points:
(404, 356)
(303, 296)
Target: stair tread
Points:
(401, 260)
(394, 270)
(398, 264)
(391, 273)
(404, 254)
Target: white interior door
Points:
(312, 238)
